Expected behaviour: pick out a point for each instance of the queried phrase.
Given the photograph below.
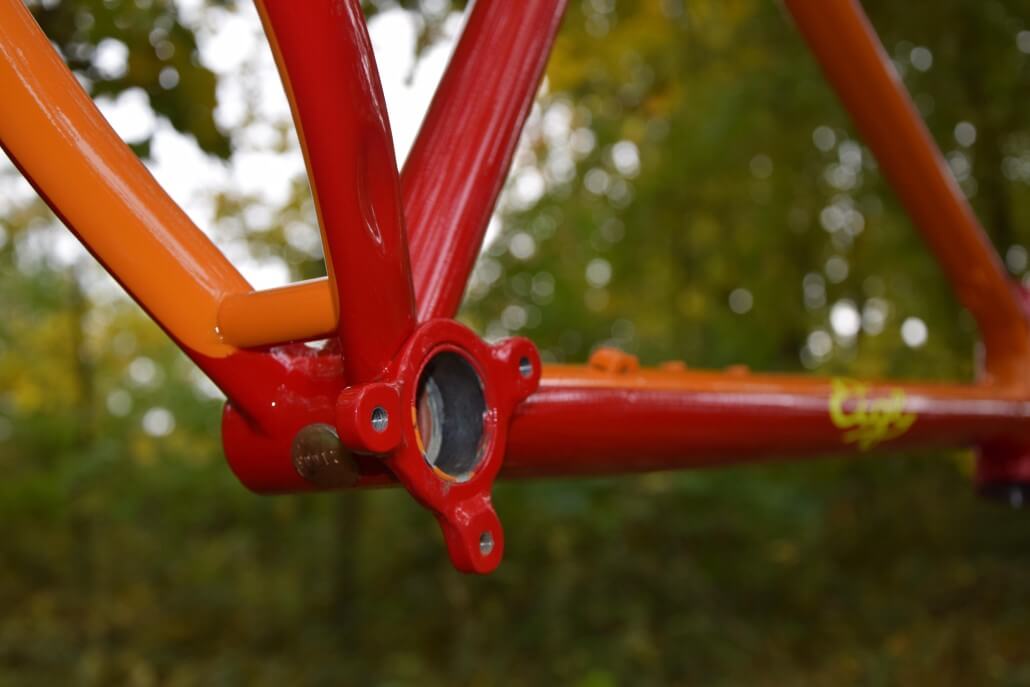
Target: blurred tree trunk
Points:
(345, 595)
(995, 207)
(82, 364)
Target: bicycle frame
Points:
(399, 247)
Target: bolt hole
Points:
(525, 367)
(380, 419)
(486, 543)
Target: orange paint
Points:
(855, 63)
(290, 293)
(735, 381)
(613, 360)
(75, 160)
(296, 312)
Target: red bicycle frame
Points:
(401, 392)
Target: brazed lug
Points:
(473, 535)
(369, 418)
(454, 395)
(518, 360)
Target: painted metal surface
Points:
(296, 312)
(611, 419)
(264, 460)
(855, 63)
(290, 404)
(454, 173)
(585, 420)
(260, 450)
(347, 147)
(97, 185)
(102, 192)
(461, 157)
(326, 62)
(462, 506)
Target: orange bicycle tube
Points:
(295, 312)
(75, 160)
(841, 37)
(296, 414)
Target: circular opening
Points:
(380, 419)
(525, 367)
(449, 412)
(486, 543)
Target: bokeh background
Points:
(687, 189)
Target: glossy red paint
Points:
(611, 417)
(300, 386)
(357, 408)
(454, 173)
(462, 154)
(623, 418)
(1004, 463)
(507, 373)
(855, 63)
(462, 504)
(326, 62)
(588, 422)
(345, 134)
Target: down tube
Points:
(590, 424)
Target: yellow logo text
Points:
(867, 421)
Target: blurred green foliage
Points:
(162, 60)
(692, 156)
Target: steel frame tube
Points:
(295, 312)
(102, 192)
(96, 184)
(455, 171)
(326, 63)
(581, 421)
(464, 149)
(856, 65)
(585, 422)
